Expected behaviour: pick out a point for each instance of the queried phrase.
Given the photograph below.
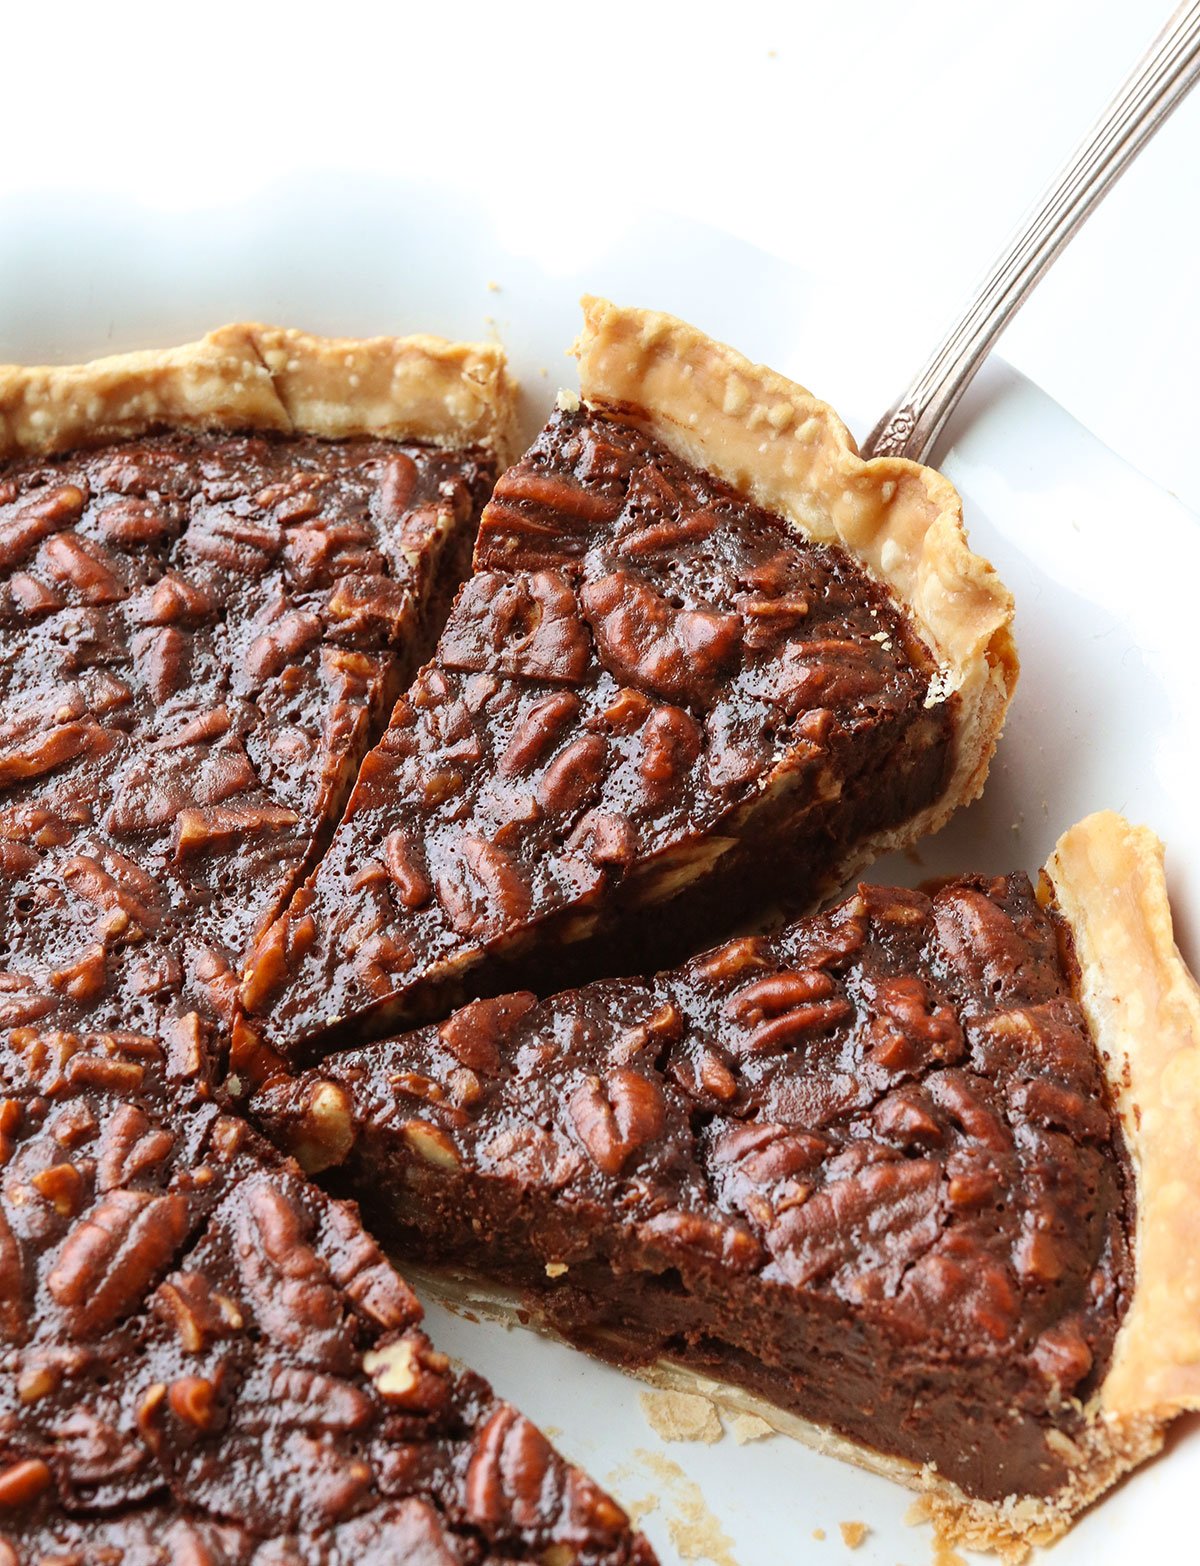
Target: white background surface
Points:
(887, 146)
(832, 150)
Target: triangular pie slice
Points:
(205, 1359)
(218, 566)
(914, 1178)
(709, 657)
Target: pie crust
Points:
(252, 377)
(1143, 1006)
(774, 441)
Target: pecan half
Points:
(524, 625)
(644, 640)
(617, 1115)
(108, 1262)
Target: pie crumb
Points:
(853, 1534)
(681, 1416)
(493, 288)
(555, 1269)
(696, 1534)
(749, 1427)
(639, 1510)
(943, 1555)
(819, 1534)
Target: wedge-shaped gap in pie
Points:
(709, 658)
(913, 1178)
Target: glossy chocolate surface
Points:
(654, 708)
(202, 1357)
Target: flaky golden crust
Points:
(1143, 1007)
(252, 377)
(777, 444)
(399, 388)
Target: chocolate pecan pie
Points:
(913, 1177)
(217, 565)
(708, 658)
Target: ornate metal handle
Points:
(1157, 86)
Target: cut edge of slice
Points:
(1008, 1528)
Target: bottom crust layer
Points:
(1009, 1528)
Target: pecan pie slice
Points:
(708, 658)
(218, 566)
(914, 1177)
(204, 1358)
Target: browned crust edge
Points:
(247, 376)
(775, 442)
(1143, 1007)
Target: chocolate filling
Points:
(865, 1168)
(198, 1341)
(202, 1356)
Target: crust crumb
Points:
(749, 1427)
(819, 1535)
(696, 1534)
(556, 1269)
(853, 1534)
(638, 1511)
(943, 1555)
(681, 1416)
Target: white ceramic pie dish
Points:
(1102, 565)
